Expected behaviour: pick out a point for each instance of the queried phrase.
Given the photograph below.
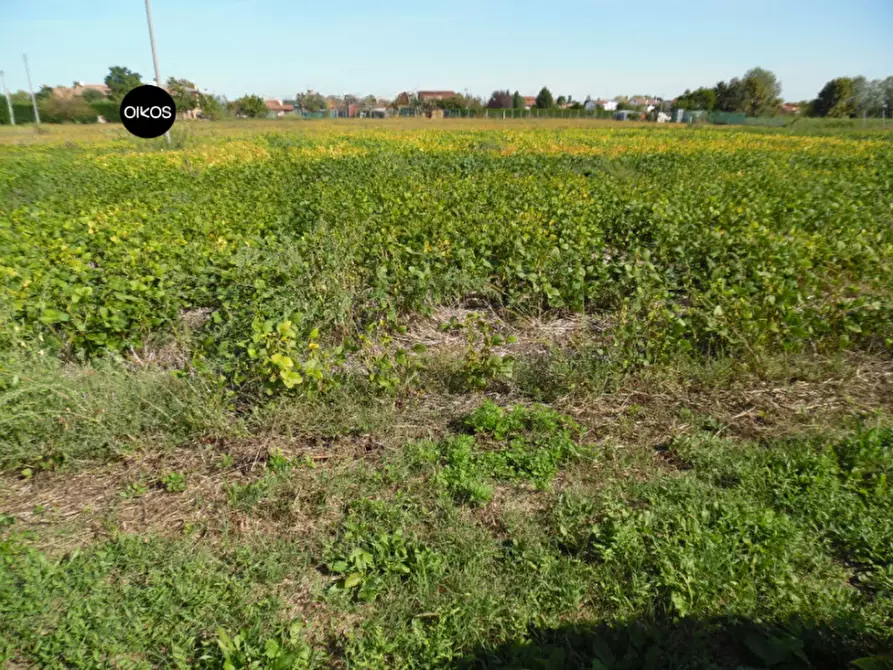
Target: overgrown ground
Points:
(396, 395)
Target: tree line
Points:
(758, 93)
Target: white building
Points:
(607, 105)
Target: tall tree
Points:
(731, 96)
(868, 96)
(500, 100)
(518, 101)
(252, 106)
(701, 98)
(45, 93)
(183, 92)
(544, 99)
(887, 88)
(212, 107)
(121, 81)
(763, 91)
(311, 101)
(835, 99)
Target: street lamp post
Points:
(31, 88)
(12, 116)
(155, 57)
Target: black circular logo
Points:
(148, 111)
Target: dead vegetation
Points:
(635, 413)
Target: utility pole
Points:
(31, 88)
(12, 116)
(155, 57)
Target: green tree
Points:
(311, 101)
(561, 100)
(252, 106)
(731, 96)
(92, 95)
(544, 99)
(183, 92)
(453, 103)
(121, 81)
(500, 100)
(887, 88)
(701, 98)
(45, 93)
(212, 108)
(868, 96)
(518, 101)
(762, 92)
(835, 99)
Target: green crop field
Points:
(446, 394)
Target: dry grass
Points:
(627, 423)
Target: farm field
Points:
(468, 394)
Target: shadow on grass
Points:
(690, 643)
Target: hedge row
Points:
(24, 112)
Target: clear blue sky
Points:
(579, 47)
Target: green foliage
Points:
(544, 99)
(174, 482)
(372, 552)
(836, 99)
(121, 81)
(840, 491)
(311, 101)
(108, 109)
(124, 599)
(701, 98)
(500, 100)
(511, 445)
(211, 107)
(62, 110)
(518, 101)
(252, 106)
(91, 95)
(184, 94)
(23, 111)
(51, 416)
(287, 651)
(482, 365)
(283, 362)
(719, 244)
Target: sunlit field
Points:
(466, 393)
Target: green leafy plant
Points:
(482, 365)
(174, 482)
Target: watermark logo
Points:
(148, 111)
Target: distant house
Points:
(790, 108)
(529, 101)
(433, 96)
(628, 115)
(68, 92)
(277, 109)
(607, 105)
(80, 88)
